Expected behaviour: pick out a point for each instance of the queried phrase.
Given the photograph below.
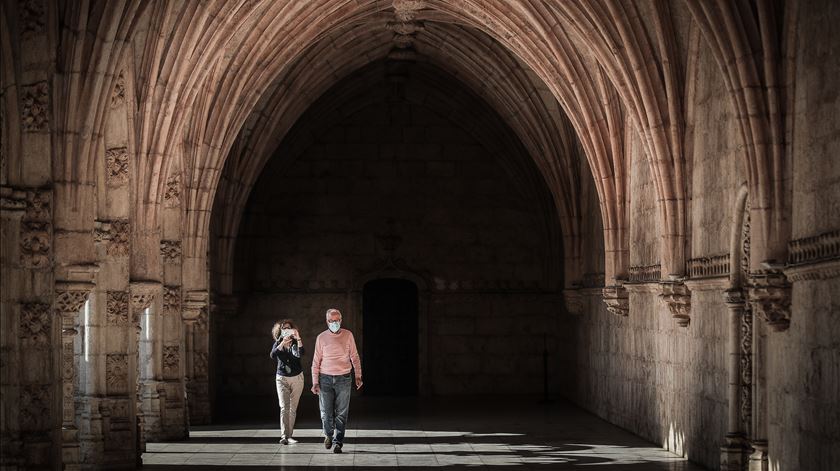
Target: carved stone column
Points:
(733, 453)
(617, 300)
(142, 295)
(677, 297)
(69, 301)
(194, 315)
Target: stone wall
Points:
(393, 188)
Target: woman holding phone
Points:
(287, 351)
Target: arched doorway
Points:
(390, 341)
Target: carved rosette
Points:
(118, 95)
(117, 308)
(38, 203)
(677, 297)
(574, 301)
(35, 107)
(35, 324)
(172, 194)
(170, 251)
(769, 294)
(171, 300)
(34, 407)
(617, 300)
(116, 165)
(115, 234)
(116, 373)
(33, 17)
(35, 244)
(171, 361)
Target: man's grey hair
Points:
(333, 311)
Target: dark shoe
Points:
(337, 448)
(283, 441)
(328, 443)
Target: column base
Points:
(734, 454)
(758, 457)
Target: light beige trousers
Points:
(288, 393)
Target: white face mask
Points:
(285, 333)
(334, 326)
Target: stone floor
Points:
(389, 433)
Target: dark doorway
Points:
(389, 312)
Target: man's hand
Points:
(359, 382)
(316, 389)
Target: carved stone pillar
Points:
(677, 297)
(769, 293)
(194, 315)
(733, 453)
(617, 300)
(142, 295)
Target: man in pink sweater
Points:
(334, 358)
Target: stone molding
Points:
(769, 295)
(713, 266)
(170, 251)
(646, 287)
(677, 297)
(193, 304)
(116, 166)
(645, 273)
(815, 271)
(617, 300)
(12, 199)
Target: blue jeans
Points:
(334, 402)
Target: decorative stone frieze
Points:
(35, 324)
(35, 244)
(35, 107)
(12, 199)
(677, 297)
(172, 194)
(170, 251)
(116, 166)
(709, 267)
(769, 295)
(171, 361)
(171, 300)
(116, 373)
(33, 17)
(815, 249)
(617, 300)
(70, 300)
(574, 300)
(645, 273)
(35, 407)
(117, 308)
(118, 95)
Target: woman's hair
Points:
(275, 331)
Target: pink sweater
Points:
(334, 354)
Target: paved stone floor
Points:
(516, 433)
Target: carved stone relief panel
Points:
(35, 244)
(172, 195)
(171, 359)
(116, 373)
(34, 406)
(116, 165)
(120, 234)
(170, 251)
(70, 300)
(35, 107)
(118, 95)
(171, 300)
(117, 308)
(677, 297)
(38, 205)
(68, 370)
(33, 17)
(200, 364)
(35, 324)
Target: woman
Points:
(287, 350)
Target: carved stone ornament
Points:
(170, 251)
(769, 293)
(645, 273)
(35, 244)
(116, 166)
(118, 95)
(70, 301)
(33, 17)
(116, 234)
(142, 294)
(193, 304)
(171, 360)
(35, 324)
(35, 107)
(172, 195)
(709, 267)
(200, 364)
(12, 199)
(34, 406)
(574, 301)
(171, 300)
(38, 205)
(68, 369)
(117, 308)
(678, 298)
(116, 373)
(617, 300)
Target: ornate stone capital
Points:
(142, 294)
(194, 302)
(617, 300)
(677, 297)
(769, 295)
(574, 301)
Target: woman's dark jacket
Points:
(288, 360)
